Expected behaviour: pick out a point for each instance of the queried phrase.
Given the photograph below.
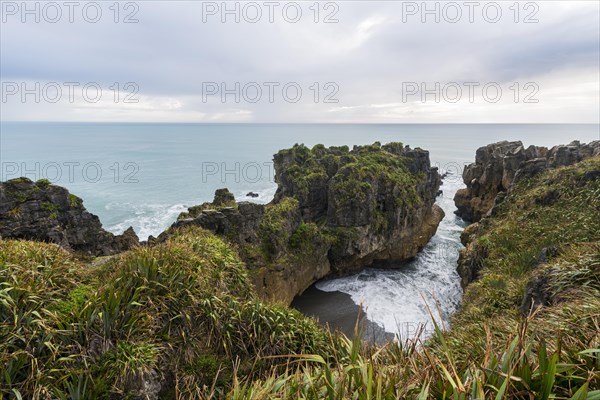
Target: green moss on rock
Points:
(277, 225)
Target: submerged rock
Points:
(44, 212)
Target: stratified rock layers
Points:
(44, 212)
(490, 182)
(500, 164)
(335, 212)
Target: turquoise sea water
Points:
(143, 175)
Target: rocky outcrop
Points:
(470, 260)
(335, 211)
(378, 199)
(536, 292)
(240, 224)
(44, 212)
(491, 183)
(223, 197)
(497, 166)
(365, 245)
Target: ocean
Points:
(144, 175)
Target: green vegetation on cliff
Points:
(286, 239)
(180, 319)
(277, 225)
(335, 211)
(223, 199)
(311, 165)
(543, 244)
(354, 172)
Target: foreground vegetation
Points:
(184, 316)
(183, 313)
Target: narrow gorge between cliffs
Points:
(398, 300)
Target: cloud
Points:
(375, 47)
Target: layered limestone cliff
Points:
(44, 212)
(497, 166)
(523, 197)
(336, 211)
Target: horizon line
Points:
(299, 123)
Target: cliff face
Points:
(44, 212)
(335, 211)
(535, 255)
(540, 199)
(497, 166)
(378, 198)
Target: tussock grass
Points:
(180, 313)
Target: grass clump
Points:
(48, 206)
(34, 279)
(74, 201)
(43, 182)
(19, 180)
(306, 236)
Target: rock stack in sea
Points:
(44, 212)
(336, 211)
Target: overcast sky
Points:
(368, 63)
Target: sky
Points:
(304, 61)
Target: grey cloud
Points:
(170, 52)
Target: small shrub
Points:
(43, 182)
(73, 200)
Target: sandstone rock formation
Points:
(336, 211)
(45, 212)
(497, 166)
